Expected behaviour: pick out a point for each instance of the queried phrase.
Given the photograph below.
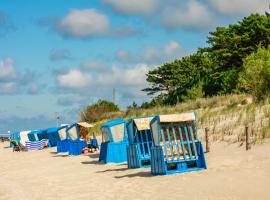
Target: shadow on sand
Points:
(93, 162)
(93, 155)
(114, 170)
(65, 155)
(138, 174)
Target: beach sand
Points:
(232, 174)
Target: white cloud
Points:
(34, 89)
(122, 55)
(152, 55)
(240, 7)
(94, 66)
(81, 87)
(192, 15)
(83, 23)
(73, 79)
(171, 47)
(71, 100)
(8, 88)
(5, 24)
(134, 7)
(60, 54)
(7, 69)
(135, 76)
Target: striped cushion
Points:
(36, 145)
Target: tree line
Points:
(218, 69)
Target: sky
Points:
(58, 56)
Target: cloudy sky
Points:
(56, 56)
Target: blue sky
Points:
(57, 56)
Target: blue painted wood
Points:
(170, 143)
(181, 140)
(157, 161)
(175, 135)
(193, 141)
(139, 149)
(132, 156)
(188, 141)
(176, 144)
(94, 143)
(112, 151)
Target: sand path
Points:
(232, 174)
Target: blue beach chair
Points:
(14, 137)
(140, 142)
(114, 146)
(53, 136)
(176, 148)
(63, 143)
(76, 145)
(33, 135)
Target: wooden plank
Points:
(176, 144)
(193, 141)
(188, 142)
(170, 143)
(164, 144)
(140, 133)
(182, 141)
(147, 141)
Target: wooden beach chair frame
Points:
(140, 142)
(176, 148)
(114, 145)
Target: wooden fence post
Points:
(247, 139)
(207, 146)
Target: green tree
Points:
(255, 77)
(98, 111)
(212, 70)
(228, 46)
(172, 81)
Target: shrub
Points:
(99, 111)
(255, 77)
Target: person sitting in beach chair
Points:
(17, 146)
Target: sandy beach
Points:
(232, 174)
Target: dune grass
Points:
(225, 116)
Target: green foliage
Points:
(99, 111)
(229, 46)
(174, 81)
(255, 77)
(213, 70)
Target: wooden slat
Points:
(164, 144)
(193, 141)
(181, 140)
(140, 133)
(176, 144)
(147, 141)
(187, 137)
(170, 143)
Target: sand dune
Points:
(232, 174)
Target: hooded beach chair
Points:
(63, 144)
(24, 137)
(15, 137)
(176, 147)
(76, 144)
(53, 136)
(15, 146)
(140, 142)
(114, 145)
(33, 135)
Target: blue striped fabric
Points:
(35, 145)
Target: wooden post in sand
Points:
(247, 139)
(207, 146)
